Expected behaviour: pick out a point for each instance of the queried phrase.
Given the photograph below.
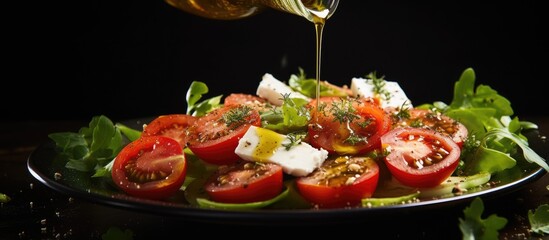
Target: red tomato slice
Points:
(340, 182)
(214, 137)
(245, 182)
(347, 125)
(420, 157)
(423, 118)
(150, 167)
(173, 125)
(242, 98)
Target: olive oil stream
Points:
(316, 11)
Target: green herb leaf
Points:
(539, 219)
(130, 133)
(307, 86)
(194, 93)
(92, 147)
(292, 116)
(473, 226)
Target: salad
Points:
(282, 147)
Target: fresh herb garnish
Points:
(295, 139)
(539, 219)
(93, 147)
(236, 116)
(292, 116)
(379, 85)
(194, 93)
(354, 139)
(307, 86)
(487, 116)
(343, 111)
(473, 226)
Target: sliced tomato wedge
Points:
(151, 167)
(420, 157)
(347, 125)
(214, 136)
(423, 118)
(173, 125)
(340, 182)
(242, 98)
(245, 182)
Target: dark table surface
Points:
(39, 212)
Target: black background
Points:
(128, 59)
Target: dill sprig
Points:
(343, 111)
(236, 116)
(379, 85)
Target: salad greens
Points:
(292, 116)
(307, 86)
(473, 226)
(539, 219)
(195, 92)
(92, 148)
(493, 134)
(493, 146)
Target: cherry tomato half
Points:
(173, 125)
(214, 136)
(245, 182)
(340, 182)
(242, 98)
(420, 157)
(150, 167)
(423, 118)
(347, 125)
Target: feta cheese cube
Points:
(264, 145)
(272, 89)
(396, 97)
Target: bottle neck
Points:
(312, 10)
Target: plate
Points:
(47, 168)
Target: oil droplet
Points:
(31, 204)
(31, 186)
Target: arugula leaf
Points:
(92, 147)
(292, 116)
(307, 86)
(539, 219)
(484, 97)
(487, 116)
(473, 226)
(130, 133)
(194, 93)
